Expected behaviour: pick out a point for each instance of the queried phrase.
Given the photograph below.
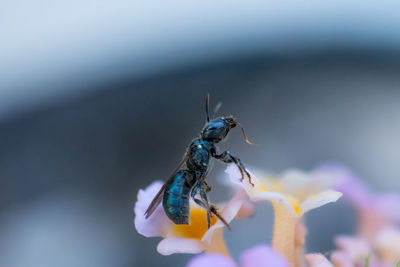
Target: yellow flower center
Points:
(294, 203)
(197, 226)
(261, 188)
(276, 185)
(273, 185)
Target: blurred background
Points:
(100, 98)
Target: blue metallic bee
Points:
(188, 179)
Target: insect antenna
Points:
(216, 109)
(207, 106)
(245, 135)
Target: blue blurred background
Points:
(100, 98)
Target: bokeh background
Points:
(100, 98)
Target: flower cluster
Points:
(377, 241)
(292, 194)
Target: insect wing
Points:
(158, 198)
(185, 158)
(155, 202)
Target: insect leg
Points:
(214, 210)
(203, 195)
(227, 157)
(207, 188)
(211, 208)
(193, 194)
(201, 202)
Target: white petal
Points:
(318, 200)
(235, 176)
(293, 181)
(302, 184)
(158, 223)
(171, 245)
(234, 173)
(274, 196)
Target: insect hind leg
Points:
(202, 188)
(214, 210)
(203, 202)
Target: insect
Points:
(188, 179)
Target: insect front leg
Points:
(227, 157)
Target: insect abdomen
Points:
(176, 197)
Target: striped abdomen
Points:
(176, 197)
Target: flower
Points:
(351, 252)
(258, 256)
(341, 259)
(292, 195)
(375, 211)
(299, 191)
(192, 238)
(387, 245)
(378, 235)
(211, 259)
(355, 248)
(317, 260)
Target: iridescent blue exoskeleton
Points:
(188, 180)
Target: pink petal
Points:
(317, 260)
(340, 259)
(247, 209)
(232, 208)
(380, 264)
(388, 205)
(158, 223)
(211, 259)
(387, 244)
(355, 248)
(354, 190)
(262, 256)
(171, 245)
(383, 207)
